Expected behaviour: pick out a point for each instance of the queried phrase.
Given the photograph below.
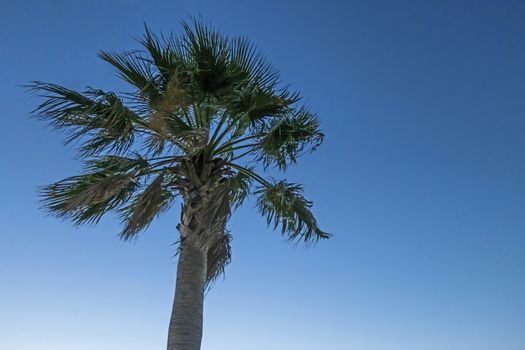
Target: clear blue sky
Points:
(421, 180)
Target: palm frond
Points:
(108, 183)
(258, 70)
(165, 53)
(138, 215)
(283, 205)
(159, 53)
(101, 117)
(172, 128)
(218, 256)
(257, 103)
(283, 140)
(117, 164)
(135, 70)
(86, 198)
(239, 184)
(207, 52)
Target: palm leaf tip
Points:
(284, 206)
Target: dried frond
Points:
(218, 256)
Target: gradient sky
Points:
(421, 179)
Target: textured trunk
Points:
(203, 217)
(185, 330)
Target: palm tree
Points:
(204, 112)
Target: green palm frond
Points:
(283, 205)
(144, 207)
(86, 198)
(207, 53)
(258, 103)
(117, 164)
(162, 54)
(239, 185)
(101, 117)
(135, 70)
(108, 183)
(256, 67)
(283, 140)
(166, 54)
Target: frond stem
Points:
(249, 173)
(225, 149)
(225, 132)
(228, 144)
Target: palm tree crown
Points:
(204, 111)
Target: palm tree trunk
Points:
(185, 330)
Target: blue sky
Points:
(421, 179)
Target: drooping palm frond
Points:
(108, 183)
(144, 207)
(283, 205)
(219, 256)
(86, 198)
(239, 184)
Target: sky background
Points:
(421, 179)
